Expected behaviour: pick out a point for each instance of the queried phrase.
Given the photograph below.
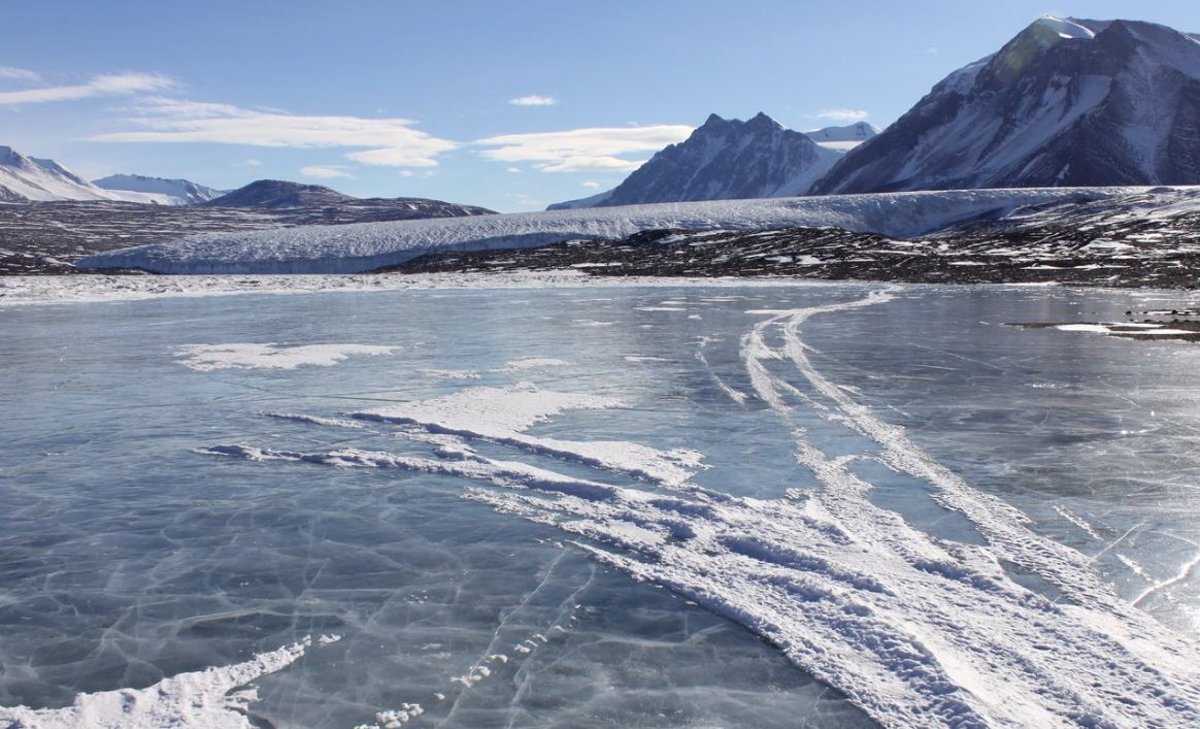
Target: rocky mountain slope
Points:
(724, 159)
(1064, 103)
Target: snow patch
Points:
(268, 355)
(203, 699)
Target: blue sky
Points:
(507, 105)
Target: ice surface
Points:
(945, 521)
(362, 247)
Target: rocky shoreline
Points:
(826, 254)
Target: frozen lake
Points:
(821, 505)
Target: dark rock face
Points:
(1064, 103)
(724, 159)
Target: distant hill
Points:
(278, 194)
(723, 159)
(320, 204)
(157, 190)
(1066, 102)
(844, 138)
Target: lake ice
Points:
(820, 505)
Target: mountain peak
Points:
(761, 121)
(1064, 28)
(723, 159)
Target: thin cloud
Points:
(325, 172)
(575, 150)
(847, 116)
(533, 100)
(383, 142)
(19, 74)
(592, 185)
(108, 85)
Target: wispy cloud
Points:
(843, 115)
(108, 85)
(251, 162)
(383, 142)
(325, 172)
(595, 149)
(592, 185)
(533, 100)
(19, 74)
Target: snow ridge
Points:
(207, 699)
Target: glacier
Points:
(363, 247)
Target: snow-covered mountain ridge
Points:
(157, 190)
(367, 246)
(1066, 102)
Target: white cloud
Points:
(592, 185)
(599, 148)
(19, 74)
(847, 116)
(325, 172)
(533, 100)
(108, 85)
(384, 142)
(252, 163)
(515, 170)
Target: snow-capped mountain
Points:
(157, 190)
(724, 159)
(1064, 103)
(23, 179)
(844, 138)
